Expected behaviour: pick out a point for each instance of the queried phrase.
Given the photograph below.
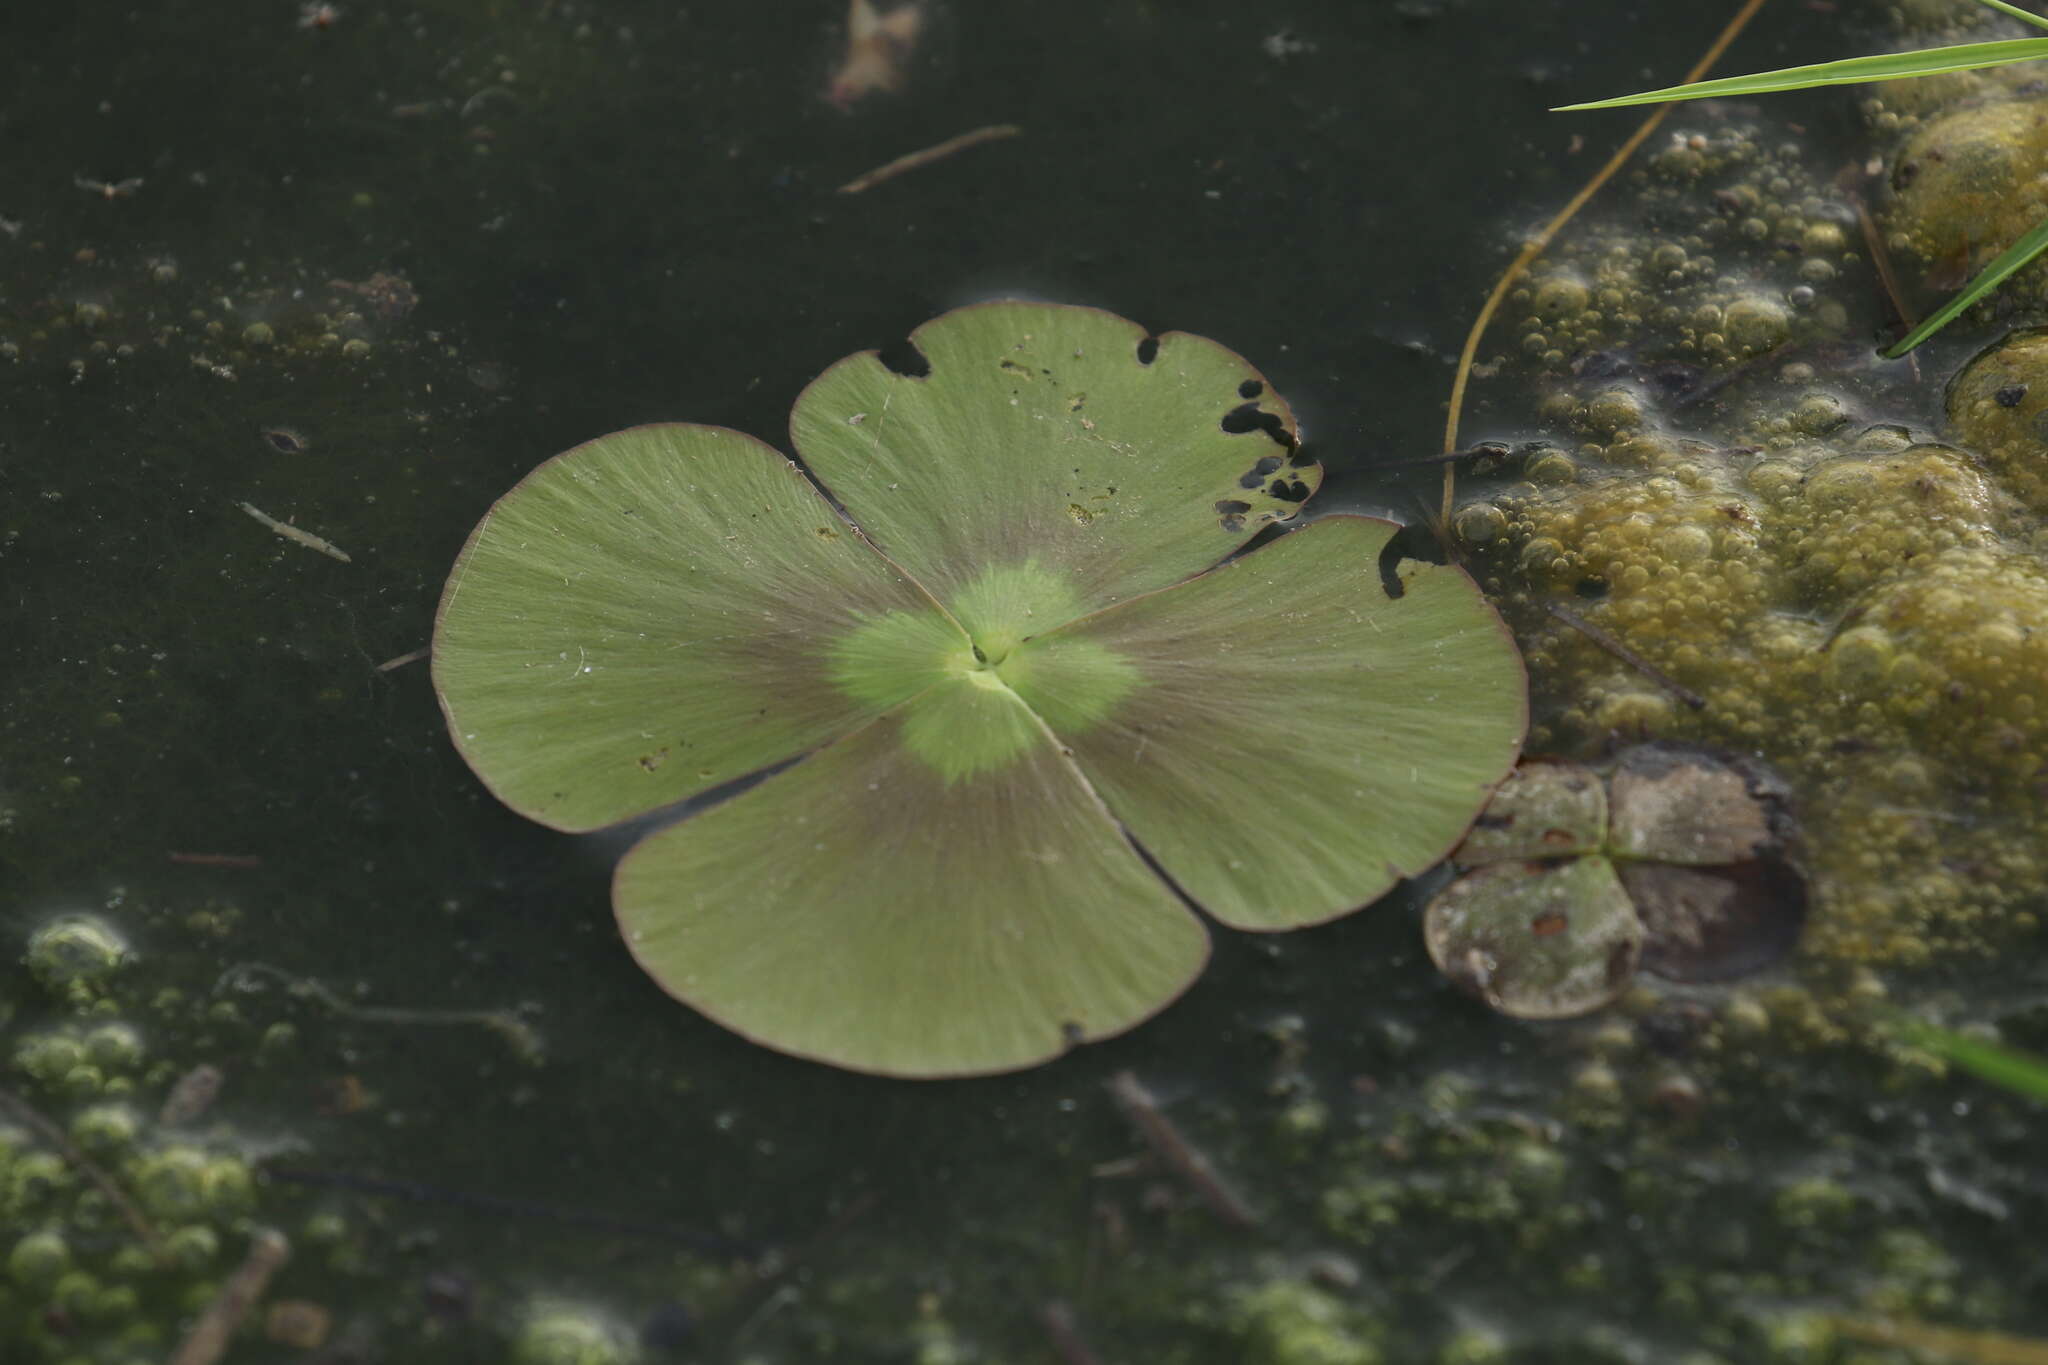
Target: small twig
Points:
(208, 1340)
(1881, 257)
(216, 859)
(1628, 656)
(938, 152)
(1176, 1151)
(294, 534)
(52, 1134)
(1065, 1334)
(409, 657)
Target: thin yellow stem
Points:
(1542, 239)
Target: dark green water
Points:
(622, 213)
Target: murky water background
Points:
(622, 213)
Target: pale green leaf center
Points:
(977, 694)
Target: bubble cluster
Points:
(1998, 406)
(1743, 240)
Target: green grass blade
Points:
(2017, 1071)
(1888, 66)
(2014, 257)
(2016, 12)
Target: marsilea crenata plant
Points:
(988, 643)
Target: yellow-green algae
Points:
(1998, 406)
(1873, 621)
(1970, 183)
(1808, 577)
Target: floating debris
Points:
(192, 1096)
(1537, 941)
(109, 189)
(1183, 1157)
(411, 656)
(389, 296)
(878, 47)
(241, 860)
(211, 1335)
(1679, 864)
(293, 533)
(910, 161)
(298, 1323)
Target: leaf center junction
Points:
(977, 704)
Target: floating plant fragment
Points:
(1013, 661)
(1681, 864)
(1537, 940)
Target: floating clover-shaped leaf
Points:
(1680, 862)
(1012, 655)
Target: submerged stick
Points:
(1187, 1160)
(1614, 646)
(243, 860)
(1881, 257)
(295, 535)
(46, 1129)
(911, 161)
(1536, 245)
(208, 1340)
(1065, 1334)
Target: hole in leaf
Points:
(1247, 417)
(1251, 388)
(901, 357)
(1256, 475)
(1148, 350)
(1414, 541)
(1288, 490)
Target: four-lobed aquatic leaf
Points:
(1014, 653)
